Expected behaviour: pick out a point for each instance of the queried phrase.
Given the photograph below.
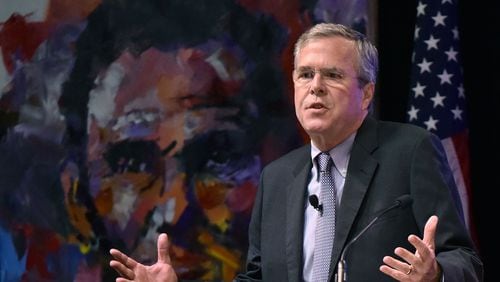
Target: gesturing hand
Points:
(131, 270)
(418, 266)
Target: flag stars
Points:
(425, 66)
(413, 113)
(461, 92)
(452, 54)
(455, 33)
(436, 95)
(439, 19)
(421, 9)
(431, 123)
(457, 113)
(432, 43)
(419, 90)
(445, 77)
(438, 100)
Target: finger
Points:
(430, 231)
(123, 258)
(396, 264)
(396, 274)
(122, 269)
(423, 250)
(119, 279)
(163, 254)
(403, 253)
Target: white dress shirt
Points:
(340, 155)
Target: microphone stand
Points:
(341, 275)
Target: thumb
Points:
(163, 255)
(430, 231)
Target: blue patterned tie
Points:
(325, 228)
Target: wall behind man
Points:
(480, 43)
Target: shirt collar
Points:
(340, 154)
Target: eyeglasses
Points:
(330, 76)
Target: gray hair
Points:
(367, 53)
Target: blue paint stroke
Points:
(11, 266)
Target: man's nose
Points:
(317, 86)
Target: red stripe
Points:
(461, 144)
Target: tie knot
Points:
(324, 162)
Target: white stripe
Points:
(451, 154)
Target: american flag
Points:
(437, 98)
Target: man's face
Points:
(329, 102)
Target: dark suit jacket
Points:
(387, 160)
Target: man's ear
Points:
(368, 92)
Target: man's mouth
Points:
(316, 106)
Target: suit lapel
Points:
(360, 171)
(295, 215)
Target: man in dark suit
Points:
(373, 164)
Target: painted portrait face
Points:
(143, 111)
(167, 123)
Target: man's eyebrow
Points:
(329, 69)
(305, 68)
(333, 69)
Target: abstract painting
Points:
(123, 119)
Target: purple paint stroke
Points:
(237, 170)
(347, 12)
(37, 85)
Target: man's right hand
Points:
(131, 270)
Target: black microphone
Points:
(313, 200)
(402, 201)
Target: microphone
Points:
(313, 200)
(401, 202)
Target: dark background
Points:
(480, 51)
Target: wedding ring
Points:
(409, 270)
